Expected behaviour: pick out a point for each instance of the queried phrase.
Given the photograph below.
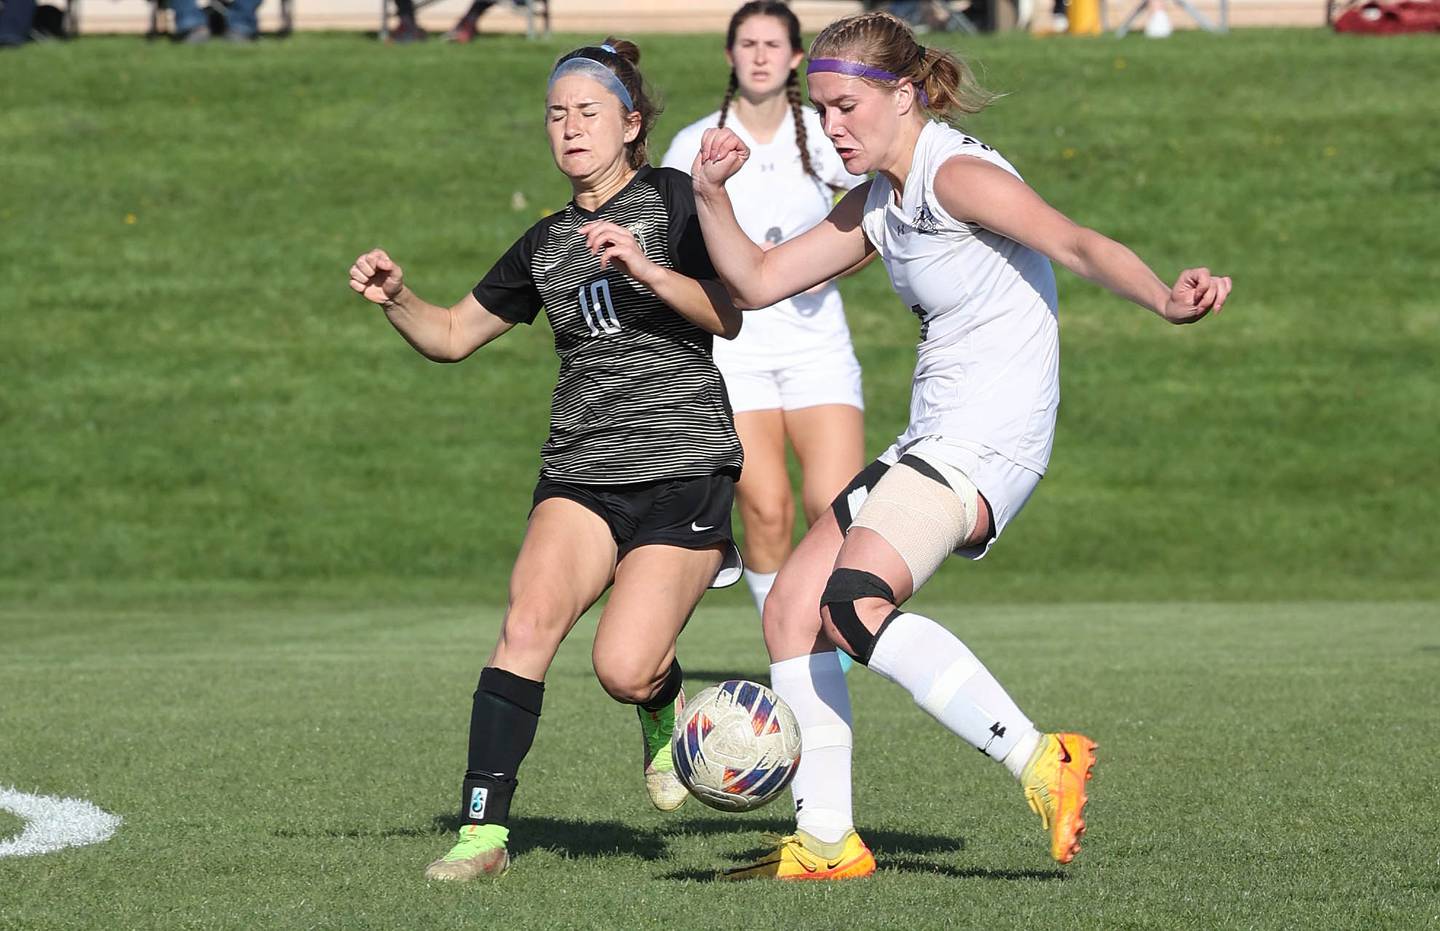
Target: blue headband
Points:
(597, 72)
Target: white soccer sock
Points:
(946, 679)
(760, 583)
(814, 688)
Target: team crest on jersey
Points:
(638, 231)
(924, 222)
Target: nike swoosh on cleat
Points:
(829, 865)
(1064, 751)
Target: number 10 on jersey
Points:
(597, 307)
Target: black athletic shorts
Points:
(693, 513)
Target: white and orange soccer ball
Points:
(737, 745)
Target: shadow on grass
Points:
(903, 866)
(354, 833)
(970, 872)
(573, 837)
(720, 675)
(570, 837)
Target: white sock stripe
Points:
(944, 686)
(825, 736)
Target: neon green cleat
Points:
(480, 852)
(665, 789)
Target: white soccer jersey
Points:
(775, 200)
(988, 365)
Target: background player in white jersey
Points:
(965, 242)
(637, 476)
(792, 371)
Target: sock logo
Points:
(478, 795)
(997, 732)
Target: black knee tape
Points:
(924, 468)
(845, 587)
(868, 478)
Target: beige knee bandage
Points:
(922, 519)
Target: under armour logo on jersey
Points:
(924, 222)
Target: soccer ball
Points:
(737, 745)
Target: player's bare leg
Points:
(829, 441)
(656, 589)
(565, 562)
(764, 500)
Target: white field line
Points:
(53, 823)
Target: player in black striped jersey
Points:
(638, 473)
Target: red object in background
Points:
(1391, 18)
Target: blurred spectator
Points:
(408, 30)
(466, 28)
(16, 17)
(192, 24)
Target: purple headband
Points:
(855, 69)
(852, 69)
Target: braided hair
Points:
(779, 11)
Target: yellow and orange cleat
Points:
(1054, 782)
(801, 856)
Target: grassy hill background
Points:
(194, 402)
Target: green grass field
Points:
(253, 548)
(1263, 765)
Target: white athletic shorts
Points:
(829, 378)
(1005, 484)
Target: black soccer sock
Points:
(668, 689)
(503, 719)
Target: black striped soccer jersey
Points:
(639, 397)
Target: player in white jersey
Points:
(791, 372)
(968, 246)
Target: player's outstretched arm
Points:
(976, 191)
(440, 334)
(755, 277)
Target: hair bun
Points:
(624, 48)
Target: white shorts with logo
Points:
(832, 377)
